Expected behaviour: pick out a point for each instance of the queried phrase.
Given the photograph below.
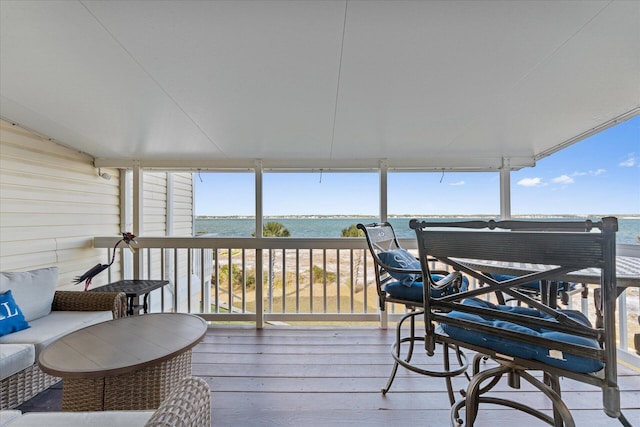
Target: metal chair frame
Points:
(381, 237)
(565, 247)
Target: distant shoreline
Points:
(622, 216)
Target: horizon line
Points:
(628, 216)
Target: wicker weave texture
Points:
(25, 384)
(116, 302)
(189, 405)
(138, 390)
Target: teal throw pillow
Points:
(11, 317)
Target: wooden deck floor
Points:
(305, 376)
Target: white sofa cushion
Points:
(9, 415)
(58, 323)
(84, 419)
(32, 290)
(15, 357)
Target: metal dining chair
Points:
(398, 280)
(532, 336)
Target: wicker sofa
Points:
(188, 405)
(50, 314)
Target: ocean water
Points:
(628, 228)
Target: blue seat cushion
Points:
(535, 286)
(520, 349)
(503, 277)
(414, 292)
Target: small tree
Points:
(354, 231)
(273, 229)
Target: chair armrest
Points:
(188, 405)
(116, 302)
(454, 278)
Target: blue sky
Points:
(599, 175)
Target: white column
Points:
(259, 266)
(138, 215)
(505, 190)
(384, 315)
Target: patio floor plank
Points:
(319, 376)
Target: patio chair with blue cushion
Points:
(399, 280)
(532, 336)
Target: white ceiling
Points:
(420, 84)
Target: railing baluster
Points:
(352, 282)
(244, 281)
(324, 281)
(189, 253)
(176, 266)
(297, 280)
(338, 281)
(217, 275)
(284, 280)
(310, 280)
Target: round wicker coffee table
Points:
(124, 364)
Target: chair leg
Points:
(446, 373)
(397, 347)
(473, 398)
(554, 382)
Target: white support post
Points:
(259, 266)
(384, 315)
(125, 222)
(383, 192)
(505, 190)
(138, 212)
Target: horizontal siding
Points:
(52, 205)
(182, 204)
(155, 204)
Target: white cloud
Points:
(578, 174)
(629, 162)
(563, 179)
(530, 182)
(457, 183)
(597, 172)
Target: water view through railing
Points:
(276, 280)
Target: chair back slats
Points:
(567, 249)
(553, 250)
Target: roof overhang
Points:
(465, 85)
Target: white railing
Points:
(271, 280)
(290, 280)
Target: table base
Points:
(139, 390)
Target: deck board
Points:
(293, 376)
(320, 376)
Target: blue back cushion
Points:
(400, 258)
(11, 317)
(520, 349)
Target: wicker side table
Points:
(131, 363)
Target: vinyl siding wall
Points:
(52, 204)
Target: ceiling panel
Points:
(461, 84)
